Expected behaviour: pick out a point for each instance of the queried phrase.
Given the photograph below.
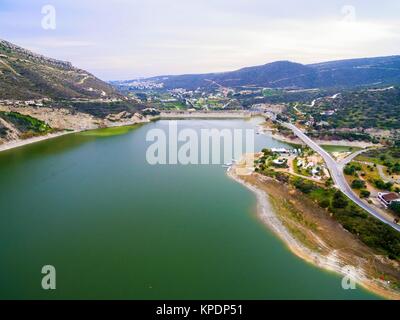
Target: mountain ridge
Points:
(286, 74)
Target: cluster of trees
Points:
(276, 96)
(395, 207)
(342, 135)
(304, 186)
(388, 157)
(364, 193)
(358, 184)
(382, 185)
(392, 168)
(361, 185)
(352, 169)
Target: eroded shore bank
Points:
(20, 143)
(314, 236)
(23, 142)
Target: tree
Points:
(380, 184)
(303, 185)
(339, 200)
(325, 203)
(358, 184)
(349, 170)
(395, 207)
(329, 183)
(365, 193)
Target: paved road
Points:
(384, 176)
(351, 157)
(336, 170)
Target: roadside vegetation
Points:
(369, 230)
(354, 219)
(395, 207)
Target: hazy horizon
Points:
(125, 39)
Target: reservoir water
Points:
(116, 227)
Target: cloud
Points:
(51, 42)
(126, 39)
(219, 49)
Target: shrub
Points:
(365, 193)
(303, 185)
(339, 200)
(325, 203)
(358, 184)
(380, 184)
(351, 169)
(395, 207)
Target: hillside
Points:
(363, 114)
(286, 74)
(368, 108)
(40, 95)
(15, 126)
(363, 109)
(26, 75)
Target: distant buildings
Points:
(279, 161)
(328, 113)
(142, 84)
(25, 103)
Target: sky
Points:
(126, 39)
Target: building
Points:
(388, 198)
(328, 113)
(280, 163)
(280, 150)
